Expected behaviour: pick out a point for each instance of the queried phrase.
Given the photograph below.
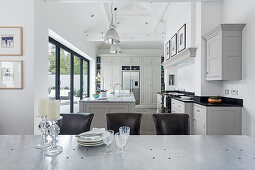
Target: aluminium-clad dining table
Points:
(144, 152)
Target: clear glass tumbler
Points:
(120, 141)
(125, 130)
(108, 137)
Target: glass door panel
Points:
(52, 71)
(85, 79)
(77, 84)
(65, 77)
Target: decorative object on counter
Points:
(103, 93)
(11, 73)
(98, 79)
(44, 124)
(11, 41)
(167, 50)
(182, 38)
(173, 45)
(216, 99)
(96, 95)
(53, 131)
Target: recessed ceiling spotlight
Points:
(146, 23)
(87, 35)
(92, 15)
(163, 33)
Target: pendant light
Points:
(115, 49)
(111, 36)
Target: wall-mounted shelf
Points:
(181, 57)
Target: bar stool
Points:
(75, 123)
(132, 120)
(171, 124)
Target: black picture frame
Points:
(173, 45)
(182, 38)
(167, 50)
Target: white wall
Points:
(176, 16)
(17, 106)
(51, 16)
(236, 11)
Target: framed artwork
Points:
(182, 38)
(11, 39)
(11, 74)
(167, 50)
(173, 45)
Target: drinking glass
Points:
(108, 137)
(120, 141)
(125, 130)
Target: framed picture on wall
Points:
(11, 39)
(173, 45)
(167, 50)
(11, 74)
(182, 38)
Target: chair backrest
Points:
(171, 124)
(116, 120)
(75, 123)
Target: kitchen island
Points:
(119, 103)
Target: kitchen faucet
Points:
(115, 86)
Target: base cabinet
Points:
(217, 120)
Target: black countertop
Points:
(201, 100)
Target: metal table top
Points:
(144, 153)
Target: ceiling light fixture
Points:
(115, 49)
(111, 36)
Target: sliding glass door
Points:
(68, 76)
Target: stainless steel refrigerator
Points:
(131, 82)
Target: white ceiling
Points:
(138, 24)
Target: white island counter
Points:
(120, 103)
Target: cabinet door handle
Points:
(194, 119)
(198, 110)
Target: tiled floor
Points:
(147, 124)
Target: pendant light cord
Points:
(112, 13)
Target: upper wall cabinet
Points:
(224, 52)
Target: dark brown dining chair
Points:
(75, 123)
(171, 124)
(132, 120)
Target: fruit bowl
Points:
(96, 95)
(212, 100)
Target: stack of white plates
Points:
(91, 138)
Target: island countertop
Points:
(120, 98)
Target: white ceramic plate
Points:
(90, 144)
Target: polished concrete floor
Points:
(147, 124)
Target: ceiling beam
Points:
(107, 18)
(117, 1)
(159, 17)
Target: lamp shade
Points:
(115, 49)
(111, 36)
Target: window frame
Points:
(59, 46)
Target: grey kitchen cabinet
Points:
(210, 120)
(224, 52)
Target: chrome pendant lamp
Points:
(115, 49)
(111, 36)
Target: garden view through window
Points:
(67, 76)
